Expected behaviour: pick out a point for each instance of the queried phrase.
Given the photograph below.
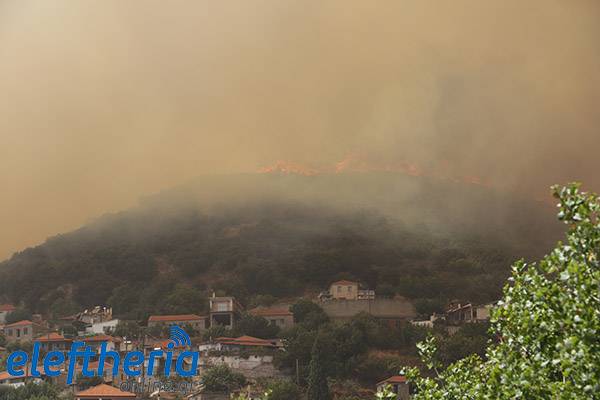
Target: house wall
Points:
(483, 313)
(348, 292)
(392, 309)
(103, 327)
(24, 333)
(55, 346)
(3, 315)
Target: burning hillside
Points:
(354, 163)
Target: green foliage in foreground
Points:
(222, 379)
(31, 391)
(548, 324)
(318, 388)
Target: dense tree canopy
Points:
(168, 256)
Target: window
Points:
(18, 333)
(339, 289)
(349, 289)
(25, 331)
(10, 332)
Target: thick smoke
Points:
(105, 101)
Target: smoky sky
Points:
(103, 102)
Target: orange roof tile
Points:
(245, 341)
(175, 318)
(19, 323)
(52, 337)
(5, 375)
(104, 390)
(98, 338)
(93, 366)
(7, 308)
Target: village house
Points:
(103, 327)
(112, 343)
(94, 320)
(23, 331)
(104, 392)
(197, 322)
(53, 342)
(224, 311)
(428, 323)
(344, 290)
(347, 290)
(394, 312)
(16, 381)
(399, 386)
(237, 344)
(281, 317)
(458, 313)
(163, 344)
(5, 309)
(159, 362)
(95, 315)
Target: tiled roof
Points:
(98, 338)
(20, 323)
(93, 366)
(104, 390)
(394, 379)
(276, 312)
(5, 375)
(52, 337)
(245, 341)
(7, 308)
(175, 318)
(344, 282)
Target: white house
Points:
(103, 328)
(16, 381)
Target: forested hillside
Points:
(269, 236)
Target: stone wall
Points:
(393, 309)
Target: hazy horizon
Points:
(104, 103)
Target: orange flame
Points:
(286, 167)
(357, 163)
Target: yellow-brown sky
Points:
(102, 102)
